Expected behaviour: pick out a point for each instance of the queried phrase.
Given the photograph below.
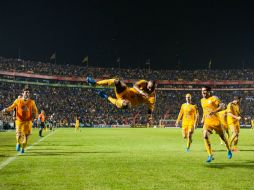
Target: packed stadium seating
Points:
(66, 102)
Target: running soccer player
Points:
(189, 115)
(77, 124)
(26, 110)
(233, 119)
(211, 105)
(143, 92)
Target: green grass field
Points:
(138, 159)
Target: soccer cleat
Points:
(90, 81)
(187, 150)
(229, 154)
(209, 159)
(103, 94)
(22, 151)
(17, 147)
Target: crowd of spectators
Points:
(67, 102)
(81, 70)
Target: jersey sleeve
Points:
(216, 100)
(180, 114)
(14, 105)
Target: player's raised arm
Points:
(10, 108)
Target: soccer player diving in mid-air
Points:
(143, 92)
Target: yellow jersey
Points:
(188, 114)
(136, 98)
(77, 122)
(252, 123)
(235, 110)
(25, 109)
(210, 104)
(223, 117)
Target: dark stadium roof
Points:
(133, 34)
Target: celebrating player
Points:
(26, 110)
(189, 115)
(143, 92)
(233, 119)
(211, 106)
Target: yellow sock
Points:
(235, 142)
(17, 138)
(189, 142)
(208, 147)
(24, 141)
(226, 141)
(232, 140)
(107, 82)
(117, 102)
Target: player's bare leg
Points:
(225, 140)
(234, 140)
(189, 140)
(208, 146)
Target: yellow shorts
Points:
(76, 126)
(235, 127)
(124, 94)
(24, 127)
(217, 128)
(188, 128)
(225, 127)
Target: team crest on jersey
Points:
(24, 108)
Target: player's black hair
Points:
(26, 88)
(237, 97)
(208, 88)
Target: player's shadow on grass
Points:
(8, 145)
(241, 150)
(55, 153)
(61, 145)
(246, 164)
(1, 156)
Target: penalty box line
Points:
(11, 159)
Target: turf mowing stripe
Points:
(11, 159)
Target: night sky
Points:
(172, 34)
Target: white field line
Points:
(11, 159)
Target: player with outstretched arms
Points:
(143, 92)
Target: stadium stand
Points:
(66, 98)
